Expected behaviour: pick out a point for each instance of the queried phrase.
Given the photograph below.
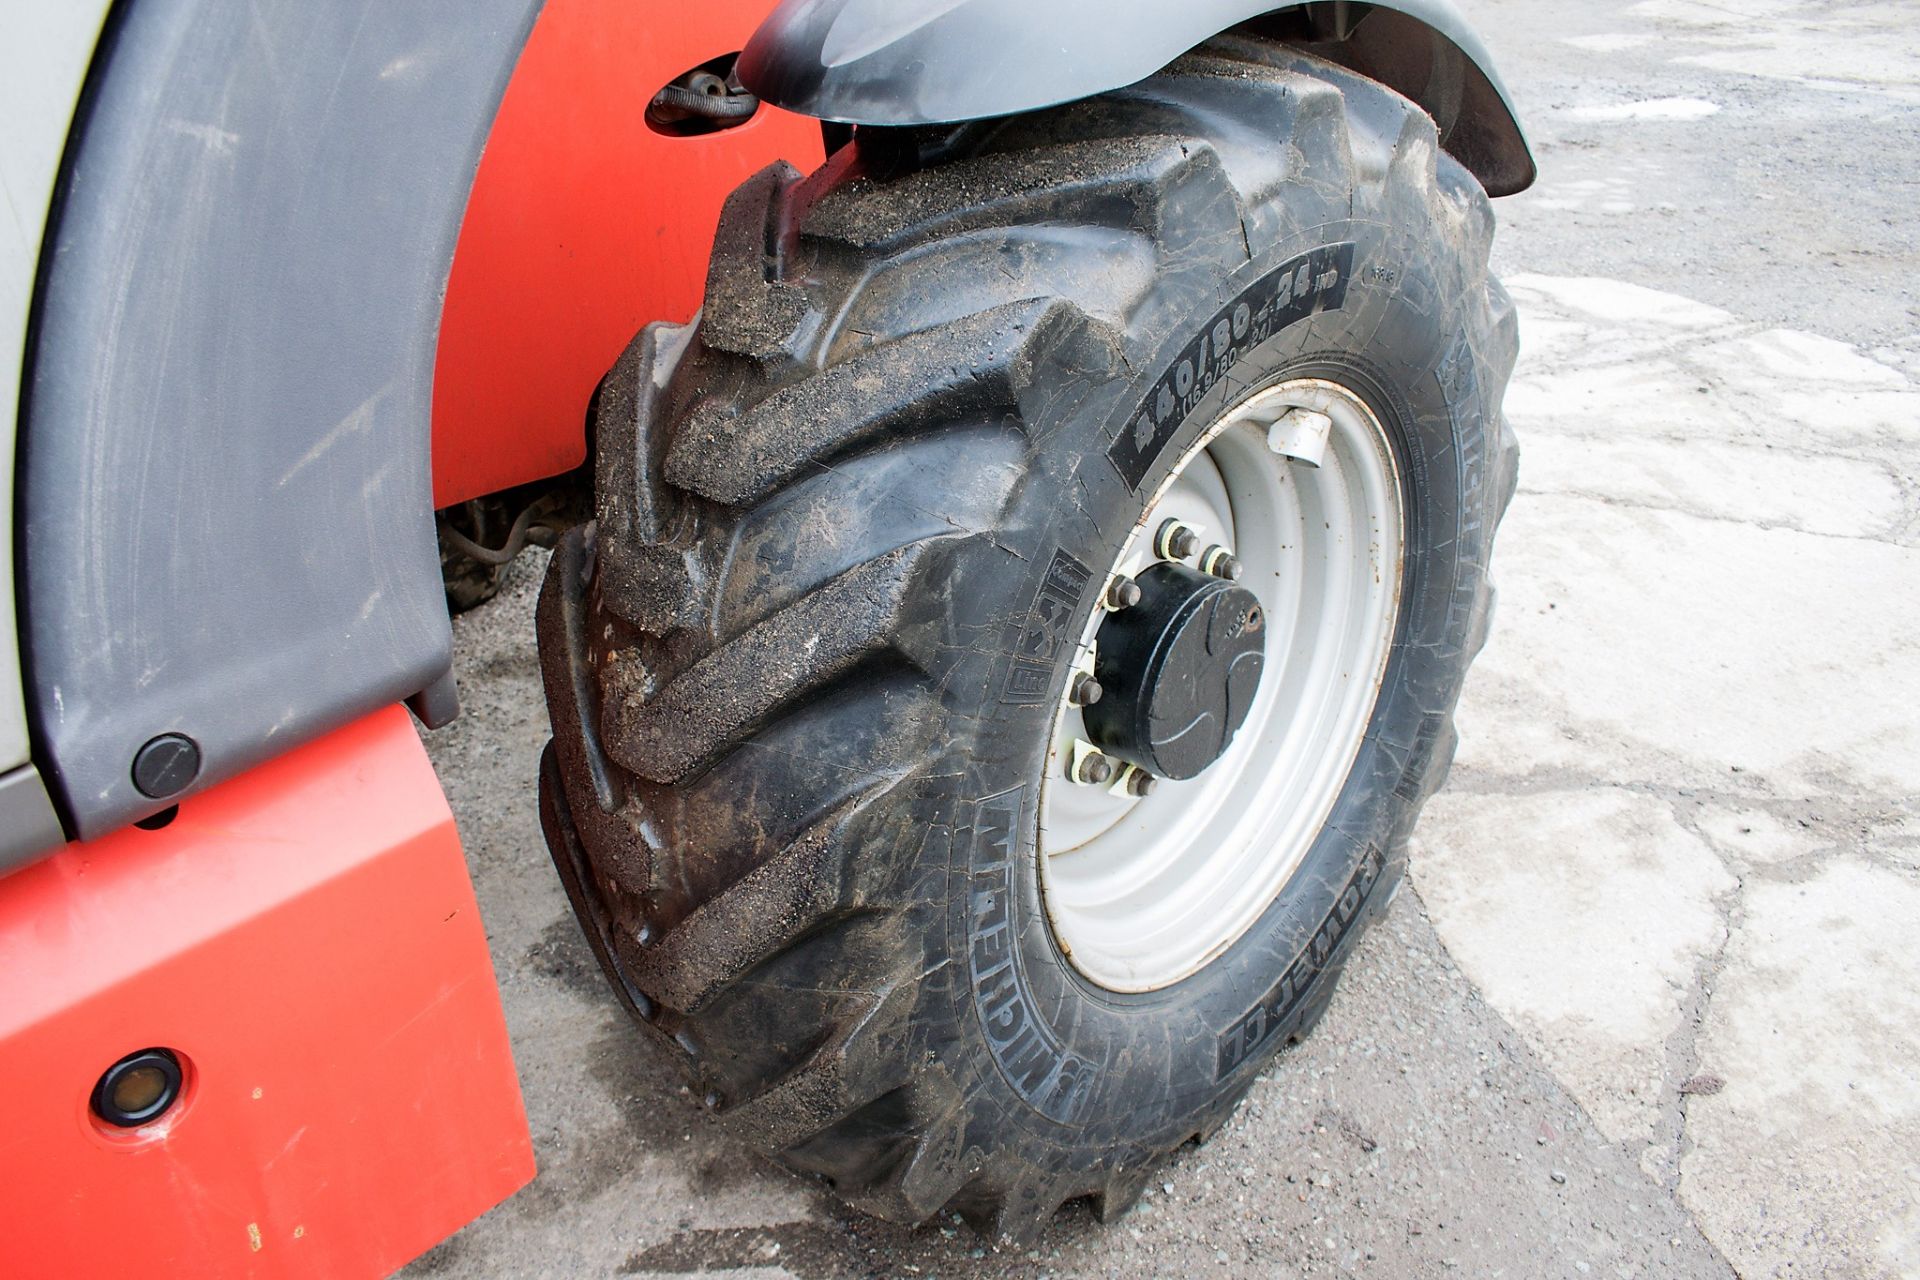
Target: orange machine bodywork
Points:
(584, 224)
(307, 939)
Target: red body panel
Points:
(307, 938)
(584, 224)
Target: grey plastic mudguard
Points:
(226, 497)
(911, 62)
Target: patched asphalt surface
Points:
(1450, 1118)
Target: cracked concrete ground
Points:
(1679, 850)
(1653, 1005)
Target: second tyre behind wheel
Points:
(970, 425)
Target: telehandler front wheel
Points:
(1023, 620)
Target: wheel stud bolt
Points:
(1085, 690)
(1091, 768)
(1221, 563)
(1175, 541)
(1124, 593)
(1141, 783)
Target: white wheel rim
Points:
(1142, 892)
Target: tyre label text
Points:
(1256, 1026)
(1310, 283)
(1056, 1083)
(1038, 639)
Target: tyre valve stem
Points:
(1088, 765)
(1175, 540)
(1220, 562)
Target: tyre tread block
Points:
(644, 579)
(761, 914)
(1124, 182)
(705, 712)
(851, 1070)
(748, 309)
(973, 368)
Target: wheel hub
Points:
(1185, 784)
(1178, 671)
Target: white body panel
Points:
(45, 49)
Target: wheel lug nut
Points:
(1221, 563)
(1175, 540)
(1141, 783)
(1085, 690)
(1088, 765)
(1124, 593)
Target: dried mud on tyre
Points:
(805, 668)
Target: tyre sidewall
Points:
(1092, 1070)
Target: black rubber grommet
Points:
(159, 821)
(160, 1067)
(166, 765)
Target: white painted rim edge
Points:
(1144, 892)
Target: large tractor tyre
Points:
(968, 425)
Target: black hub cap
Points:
(1179, 671)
